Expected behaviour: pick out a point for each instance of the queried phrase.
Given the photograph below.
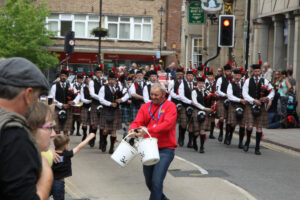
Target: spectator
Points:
(276, 78)
(63, 169)
(219, 73)
(274, 112)
(292, 80)
(284, 88)
(268, 72)
(23, 174)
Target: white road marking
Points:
(203, 171)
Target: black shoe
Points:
(195, 146)
(241, 146)
(78, 134)
(83, 137)
(202, 150)
(220, 138)
(212, 137)
(190, 145)
(103, 148)
(92, 142)
(72, 132)
(111, 150)
(246, 148)
(257, 152)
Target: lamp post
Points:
(100, 24)
(161, 13)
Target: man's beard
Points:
(29, 110)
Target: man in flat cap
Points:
(23, 174)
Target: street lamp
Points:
(100, 24)
(161, 13)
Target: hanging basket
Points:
(99, 32)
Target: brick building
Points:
(134, 31)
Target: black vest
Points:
(139, 91)
(175, 89)
(187, 91)
(87, 96)
(224, 85)
(200, 98)
(254, 91)
(238, 92)
(61, 94)
(97, 87)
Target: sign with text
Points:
(196, 14)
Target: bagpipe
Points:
(211, 101)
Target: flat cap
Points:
(20, 72)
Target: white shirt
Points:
(102, 99)
(53, 92)
(82, 97)
(146, 94)
(231, 97)
(246, 95)
(74, 85)
(181, 93)
(172, 92)
(92, 89)
(218, 86)
(132, 89)
(194, 99)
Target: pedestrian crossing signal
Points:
(226, 30)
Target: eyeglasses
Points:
(50, 128)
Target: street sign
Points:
(196, 14)
(158, 55)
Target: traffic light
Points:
(69, 42)
(226, 30)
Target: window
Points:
(81, 24)
(196, 52)
(129, 28)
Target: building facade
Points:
(136, 31)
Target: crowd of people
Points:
(132, 99)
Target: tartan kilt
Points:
(231, 119)
(126, 114)
(260, 121)
(221, 111)
(75, 110)
(67, 125)
(111, 126)
(178, 120)
(197, 126)
(184, 120)
(134, 110)
(85, 117)
(95, 120)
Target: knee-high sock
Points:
(249, 132)
(227, 132)
(221, 128)
(212, 127)
(241, 135)
(258, 138)
(202, 140)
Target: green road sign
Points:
(196, 14)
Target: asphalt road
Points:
(274, 175)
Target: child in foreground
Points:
(63, 169)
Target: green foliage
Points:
(23, 32)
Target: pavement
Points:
(128, 182)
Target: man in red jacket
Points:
(159, 117)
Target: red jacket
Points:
(165, 129)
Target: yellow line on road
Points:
(71, 192)
(75, 190)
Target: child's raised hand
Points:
(91, 135)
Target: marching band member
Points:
(63, 97)
(94, 88)
(221, 89)
(185, 92)
(136, 91)
(258, 92)
(86, 98)
(111, 119)
(201, 121)
(76, 110)
(152, 79)
(210, 87)
(236, 110)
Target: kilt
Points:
(85, 117)
(178, 120)
(197, 126)
(95, 120)
(116, 124)
(231, 114)
(221, 111)
(184, 121)
(134, 110)
(260, 121)
(75, 110)
(126, 114)
(67, 125)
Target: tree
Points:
(23, 32)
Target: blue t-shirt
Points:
(63, 169)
